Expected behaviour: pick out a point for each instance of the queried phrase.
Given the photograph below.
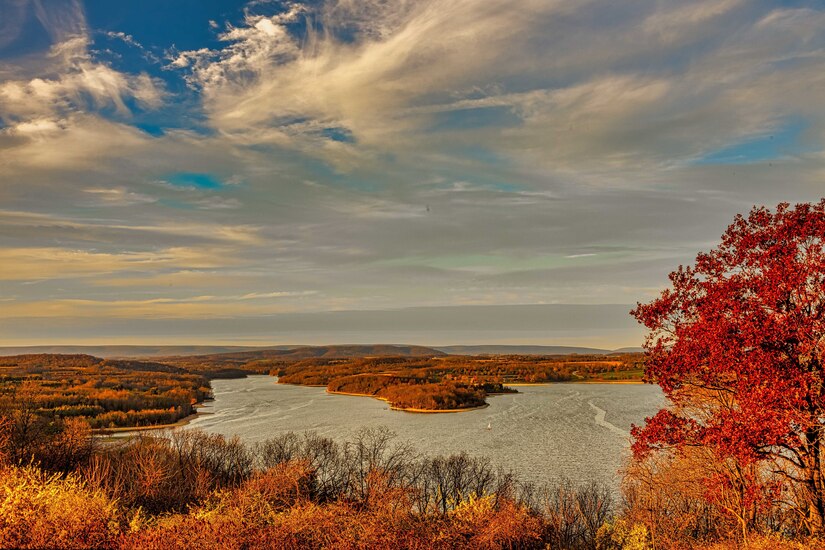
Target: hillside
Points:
(325, 352)
(241, 363)
(131, 351)
(226, 352)
(104, 393)
(521, 350)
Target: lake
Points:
(543, 433)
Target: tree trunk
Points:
(816, 484)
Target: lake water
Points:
(543, 433)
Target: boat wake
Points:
(600, 421)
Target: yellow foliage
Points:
(262, 497)
(622, 535)
(39, 510)
(490, 524)
(474, 509)
(768, 542)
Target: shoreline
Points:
(608, 382)
(121, 429)
(356, 394)
(436, 411)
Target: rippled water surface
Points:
(578, 431)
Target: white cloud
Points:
(49, 107)
(402, 53)
(125, 38)
(78, 141)
(82, 85)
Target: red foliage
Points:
(738, 343)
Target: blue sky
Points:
(215, 171)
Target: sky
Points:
(355, 171)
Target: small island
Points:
(410, 394)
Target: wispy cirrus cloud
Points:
(614, 99)
(28, 264)
(275, 294)
(158, 308)
(69, 80)
(118, 196)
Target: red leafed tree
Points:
(738, 346)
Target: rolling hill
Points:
(520, 350)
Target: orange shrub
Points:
(507, 524)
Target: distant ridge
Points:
(521, 350)
(306, 352)
(79, 360)
(229, 352)
(329, 352)
(132, 351)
